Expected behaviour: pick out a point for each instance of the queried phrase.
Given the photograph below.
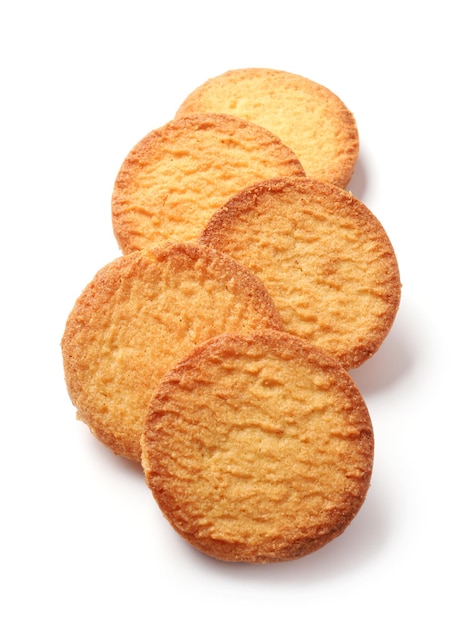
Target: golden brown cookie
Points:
(324, 258)
(178, 175)
(258, 448)
(308, 117)
(137, 317)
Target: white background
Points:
(82, 540)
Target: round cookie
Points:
(178, 175)
(258, 448)
(141, 314)
(324, 258)
(308, 117)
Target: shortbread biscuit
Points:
(137, 317)
(178, 175)
(324, 258)
(258, 448)
(308, 117)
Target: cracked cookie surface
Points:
(324, 257)
(173, 180)
(307, 116)
(137, 317)
(258, 448)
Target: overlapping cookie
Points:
(173, 180)
(323, 256)
(308, 117)
(258, 448)
(137, 317)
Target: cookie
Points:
(258, 448)
(308, 117)
(325, 259)
(141, 314)
(174, 179)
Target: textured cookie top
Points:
(308, 117)
(258, 448)
(178, 175)
(137, 317)
(324, 258)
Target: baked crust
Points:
(258, 448)
(173, 180)
(307, 116)
(323, 256)
(138, 316)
